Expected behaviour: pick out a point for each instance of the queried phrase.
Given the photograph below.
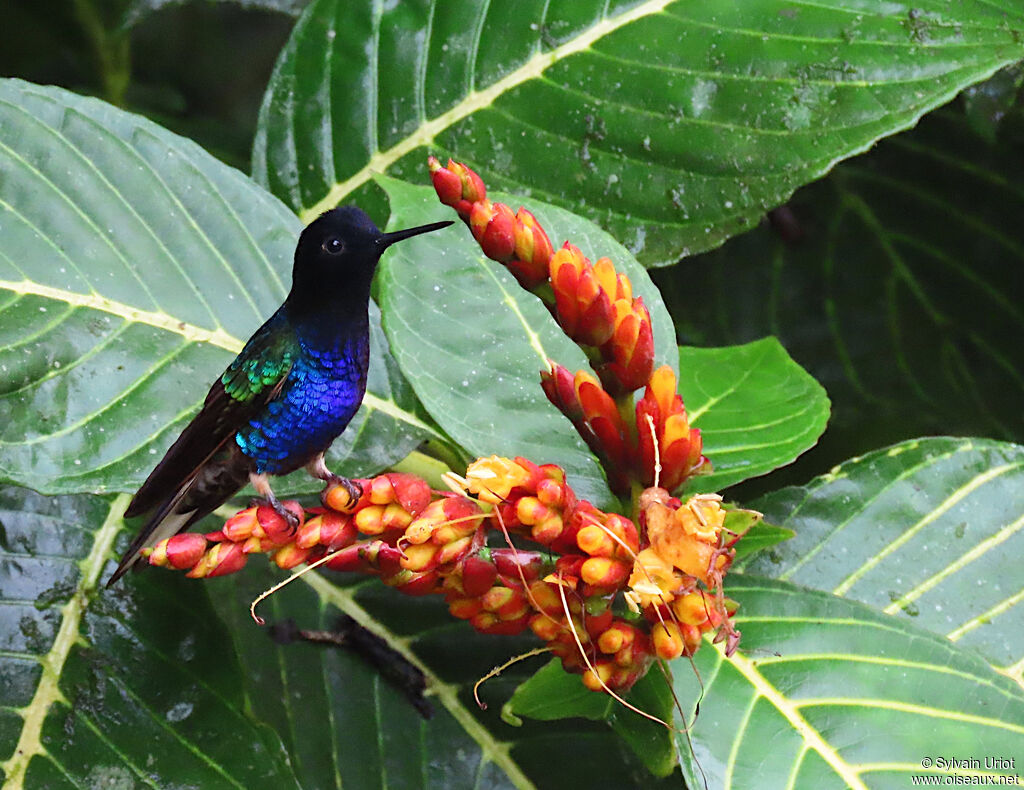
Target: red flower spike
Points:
(493, 226)
(179, 552)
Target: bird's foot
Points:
(285, 513)
(262, 486)
(341, 493)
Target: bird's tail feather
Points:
(164, 523)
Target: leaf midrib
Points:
(475, 100)
(48, 692)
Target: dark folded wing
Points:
(254, 378)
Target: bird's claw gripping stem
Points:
(318, 469)
(262, 486)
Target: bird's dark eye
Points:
(333, 246)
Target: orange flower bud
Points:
(604, 572)
(241, 525)
(584, 310)
(420, 557)
(600, 676)
(630, 351)
(370, 520)
(329, 529)
(532, 251)
(454, 551)
(337, 497)
(464, 608)
(595, 541)
(692, 609)
(290, 555)
(667, 640)
(617, 638)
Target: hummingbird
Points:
(290, 392)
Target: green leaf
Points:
(826, 692)
(756, 408)
(761, 536)
(894, 282)
(672, 124)
(472, 342)
(137, 686)
(552, 694)
(132, 267)
(929, 530)
(345, 726)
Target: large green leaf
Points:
(128, 688)
(344, 726)
(675, 124)
(756, 409)
(472, 342)
(895, 282)
(132, 266)
(826, 692)
(931, 530)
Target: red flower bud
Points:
(584, 310)
(630, 351)
(178, 552)
(532, 251)
(477, 576)
(493, 226)
(456, 185)
(220, 560)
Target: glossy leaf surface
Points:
(756, 408)
(673, 124)
(826, 692)
(130, 687)
(894, 282)
(929, 530)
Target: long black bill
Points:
(388, 239)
